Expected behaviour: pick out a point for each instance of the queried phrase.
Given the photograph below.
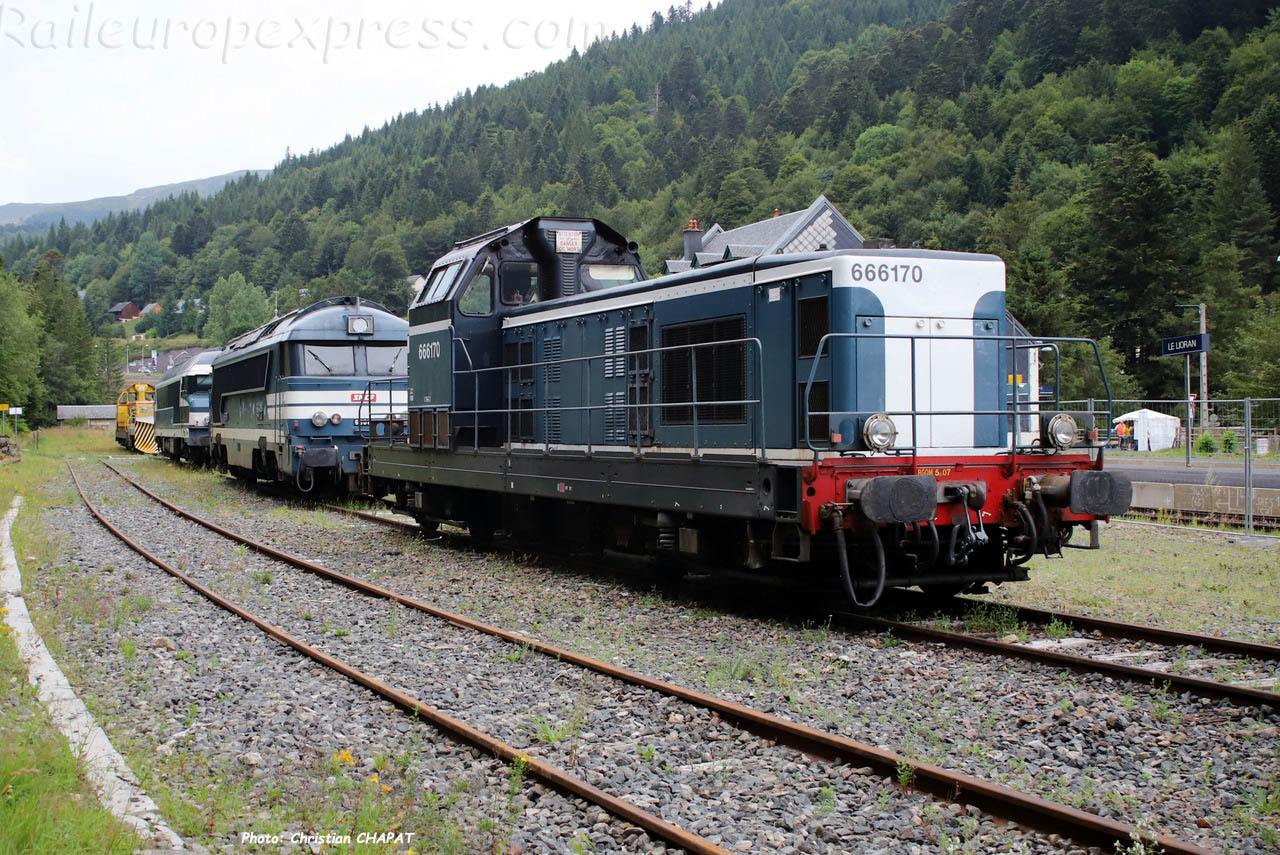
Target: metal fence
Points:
(1226, 429)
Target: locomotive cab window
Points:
(320, 360)
(438, 284)
(387, 360)
(594, 277)
(477, 298)
(520, 283)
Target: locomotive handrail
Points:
(1012, 413)
(632, 358)
(1057, 368)
(369, 396)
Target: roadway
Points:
(1221, 473)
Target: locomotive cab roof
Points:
(329, 319)
(534, 261)
(201, 363)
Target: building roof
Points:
(120, 307)
(91, 411)
(818, 227)
(150, 307)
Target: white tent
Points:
(1153, 431)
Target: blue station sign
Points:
(1184, 344)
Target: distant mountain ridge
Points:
(27, 216)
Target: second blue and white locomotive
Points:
(182, 408)
(298, 398)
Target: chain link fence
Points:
(1218, 428)
(1227, 430)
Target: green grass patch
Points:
(1180, 580)
(46, 806)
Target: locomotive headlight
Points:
(318, 418)
(879, 432)
(1062, 430)
(335, 419)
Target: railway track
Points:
(1253, 692)
(548, 773)
(948, 785)
(1238, 693)
(1232, 523)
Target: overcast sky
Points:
(104, 97)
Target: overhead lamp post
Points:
(1204, 361)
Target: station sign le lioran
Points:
(1184, 344)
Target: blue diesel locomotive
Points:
(297, 398)
(845, 411)
(182, 408)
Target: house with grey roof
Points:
(818, 227)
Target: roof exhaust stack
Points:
(692, 240)
(559, 245)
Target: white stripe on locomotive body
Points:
(432, 326)
(301, 404)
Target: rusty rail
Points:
(1131, 673)
(548, 773)
(1143, 632)
(1029, 810)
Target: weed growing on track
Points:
(995, 619)
(826, 802)
(1057, 629)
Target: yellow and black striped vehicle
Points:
(135, 418)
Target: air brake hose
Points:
(1029, 524)
(1043, 540)
(837, 519)
(311, 479)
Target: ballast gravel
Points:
(667, 757)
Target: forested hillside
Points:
(1122, 155)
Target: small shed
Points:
(1152, 431)
(98, 415)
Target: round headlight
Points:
(335, 419)
(879, 432)
(1062, 430)
(318, 418)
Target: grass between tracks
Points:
(1211, 583)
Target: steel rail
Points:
(547, 772)
(1114, 629)
(1026, 809)
(1230, 532)
(1144, 632)
(1204, 688)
